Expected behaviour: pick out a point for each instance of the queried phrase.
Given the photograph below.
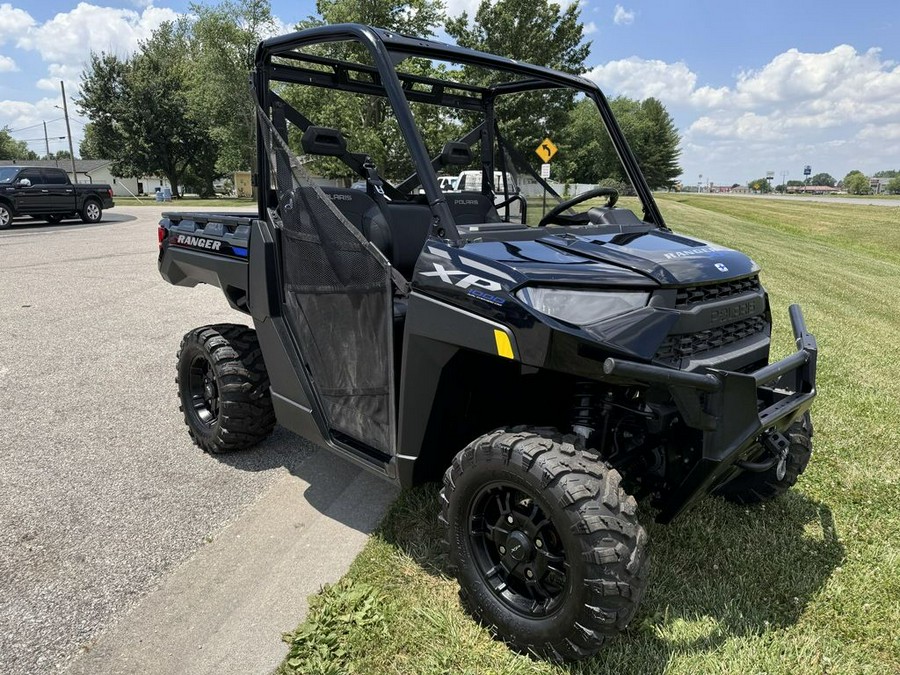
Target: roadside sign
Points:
(546, 150)
(545, 171)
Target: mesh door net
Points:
(338, 302)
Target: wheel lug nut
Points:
(509, 519)
(529, 574)
(538, 543)
(502, 550)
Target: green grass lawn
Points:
(809, 583)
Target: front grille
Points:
(677, 347)
(692, 295)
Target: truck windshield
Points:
(7, 173)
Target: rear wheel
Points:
(545, 543)
(223, 387)
(753, 488)
(6, 216)
(91, 212)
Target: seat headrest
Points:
(323, 141)
(456, 154)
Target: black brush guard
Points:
(736, 412)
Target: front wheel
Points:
(6, 216)
(91, 212)
(544, 541)
(223, 388)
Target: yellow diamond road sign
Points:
(546, 150)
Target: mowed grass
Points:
(809, 583)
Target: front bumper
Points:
(733, 410)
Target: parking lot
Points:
(102, 495)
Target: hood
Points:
(617, 259)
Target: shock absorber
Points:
(588, 411)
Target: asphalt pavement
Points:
(109, 516)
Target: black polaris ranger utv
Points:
(551, 372)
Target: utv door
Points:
(337, 304)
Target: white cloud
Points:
(622, 16)
(835, 109)
(14, 21)
(7, 65)
(671, 83)
(71, 36)
(590, 27)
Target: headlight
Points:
(581, 308)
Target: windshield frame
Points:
(387, 50)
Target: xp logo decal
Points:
(467, 280)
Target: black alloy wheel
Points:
(203, 391)
(517, 549)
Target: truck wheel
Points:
(753, 488)
(223, 388)
(91, 212)
(6, 217)
(544, 542)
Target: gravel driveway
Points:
(101, 491)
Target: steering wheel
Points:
(556, 212)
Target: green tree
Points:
(409, 17)
(535, 32)
(90, 147)
(760, 185)
(658, 150)
(888, 173)
(222, 46)
(586, 153)
(367, 121)
(856, 183)
(823, 179)
(893, 185)
(12, 149)
(143, 115)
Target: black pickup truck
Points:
(47, 193)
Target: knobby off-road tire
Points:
(91, 212)
(223, 388)
(544, 542)
(754, 488)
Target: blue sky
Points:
(753, 87)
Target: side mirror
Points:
(24, 182)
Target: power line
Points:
(14, 131)
(35, 140)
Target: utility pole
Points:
(47, 141)
(784, 175)
(62, 86)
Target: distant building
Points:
(730, 189)
(879, 185)
(811, 189)
(98, 171)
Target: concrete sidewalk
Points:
(225, 609)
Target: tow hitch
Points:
(776, 443)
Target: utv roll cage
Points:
(388, 49)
